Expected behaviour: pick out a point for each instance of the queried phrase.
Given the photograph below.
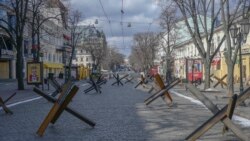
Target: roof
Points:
(183, 32)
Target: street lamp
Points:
(239, 35)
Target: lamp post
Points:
(239, 35)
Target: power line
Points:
(122, 12)
(105, 14)
(116, 21)
(149, 26)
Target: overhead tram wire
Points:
(105, 14)
(122, 12)
(116, 21)
(149, 26)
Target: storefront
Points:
(7, 58)
(216, 65)
(55, 68)
(245, 64)
(194, 70)
(7, 63)
(179, 68)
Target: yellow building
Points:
(245, 51)
(245, 65)
(83, 72)
(55, 68)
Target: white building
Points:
(89, 38)
(52, 38)
(83, 58)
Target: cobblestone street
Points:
(119, 113)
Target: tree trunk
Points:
(38, 46)
(168, 71)
(207, 74)
(33, 46)
(19, 66)
(230, 80)
(70, 61)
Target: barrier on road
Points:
(129, 79)
(3, 104)
(211, 75)
(118, 79)
(163, 92)
(142, 81)
(58, 88)
(220, 81)
(224, 115)
(59, 106)
(95, 85)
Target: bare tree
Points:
(228, 18)
(39, 13)
(95, 43)
(145, 45)
(15, 22)
(113, 58)
(203, 15)
(135, 59)
(74, 19)
(168, 38)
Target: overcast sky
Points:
(142, 14)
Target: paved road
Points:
(120, 116)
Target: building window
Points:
(195, 51)
(218, 65)
(54, 57)
(49, 57)
(60, 58)
(87, 59)
(212, 47)
(192, 50)
(81, 59)
(218, 40)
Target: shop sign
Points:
(34, 73)
(245, 50)
(7, 52)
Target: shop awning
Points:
(215, 62)
(53, 65)
(66, 37)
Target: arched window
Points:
(49, 58)
(212, 47)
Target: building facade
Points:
(7, 50)
(53, 40)
(188, 60)
(91, 40)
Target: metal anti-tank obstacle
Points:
(163, 92)
(60, 104)
(3, 104)
(224, 115)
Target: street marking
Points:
(28, 100)
(85, 84)
(240, 120)
(21, 102)
(5, 83)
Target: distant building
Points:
(90, 39)
(83, 58)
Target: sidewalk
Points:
(219, 98)
(7, 88)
